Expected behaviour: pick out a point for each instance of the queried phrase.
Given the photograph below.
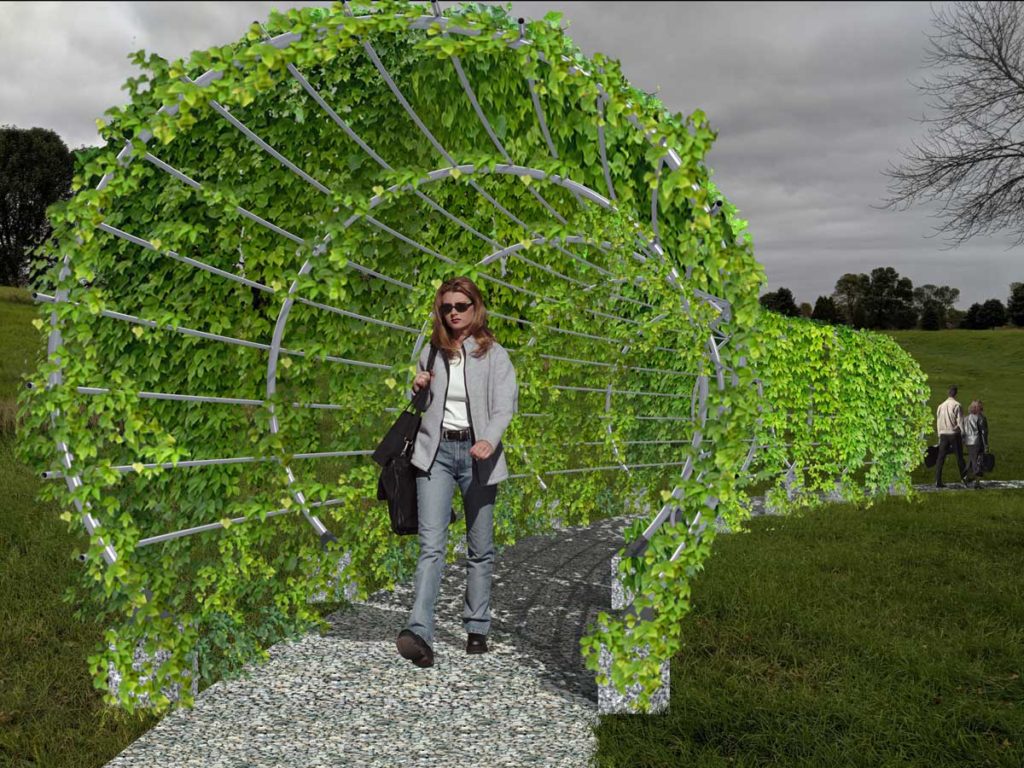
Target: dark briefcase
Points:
(397, 486)
(397, 483)
(931, 455)
(988, 461)
(401, 437)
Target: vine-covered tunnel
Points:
(243, 283)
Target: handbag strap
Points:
(419, 401)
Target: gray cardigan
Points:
(492, 398)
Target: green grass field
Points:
(887, 637)
(17, 338)
(50, 715)
(883, 637)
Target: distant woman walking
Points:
(473, 396)
(976, 438)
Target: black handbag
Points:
(397, 483)
(988, 461)
(931, 456)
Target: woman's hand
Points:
(481, 450)
(421, 380)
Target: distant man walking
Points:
(949, 422)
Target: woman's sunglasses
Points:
(462, 306)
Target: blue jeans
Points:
(434, 492)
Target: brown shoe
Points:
(414, 648)
(476, 643)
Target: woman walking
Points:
(976, 438)
(473, 396)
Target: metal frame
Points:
(652, 249)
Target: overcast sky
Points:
(811, 102)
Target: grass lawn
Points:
(17, 339)
(50, 715)
(845, 637)
(887, 637)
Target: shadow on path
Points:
(546, 592)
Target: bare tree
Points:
(973, 154)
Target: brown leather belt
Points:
(456, 434)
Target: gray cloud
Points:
(811, 102)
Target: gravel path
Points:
(348, 699)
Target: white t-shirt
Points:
(456, 415)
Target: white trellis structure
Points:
(498, 261)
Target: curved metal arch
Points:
(468, 169)
(283, 41)
(700, 388)
(446, 173)
(700, 392)
(670, 158)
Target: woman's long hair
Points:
(976, 407)
(442, 338)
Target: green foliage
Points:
(884, 300)
(837, 400)
(890, 300)
(936, 304)
(931, 317)
(825, 310)
(35, 171)
(1015, 305)
(603, 337)
(781, 302)
(981, 317)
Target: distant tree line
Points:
(885, 301)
